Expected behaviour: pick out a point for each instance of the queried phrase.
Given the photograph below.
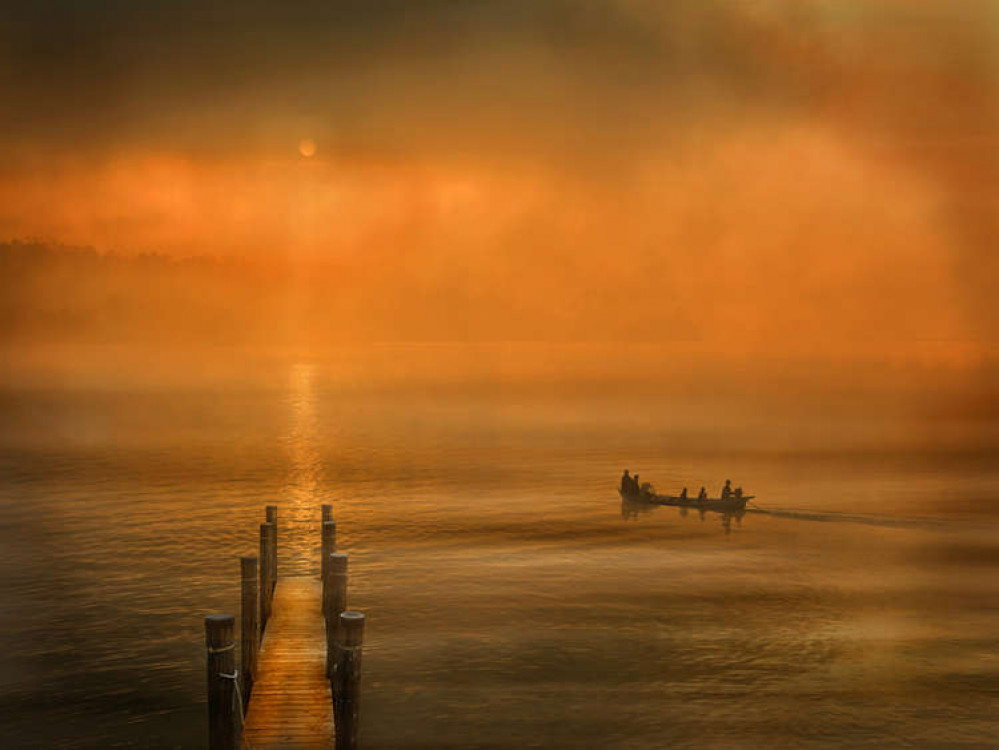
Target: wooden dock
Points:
(292, 706)
(298, 686)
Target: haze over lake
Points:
(453, 267)
(512, 599)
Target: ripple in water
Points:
(511, 603)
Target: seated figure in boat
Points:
(683, 494)
(703, 494)
(738, 493)
(727, 490)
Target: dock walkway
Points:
(295, 675)
(292, 706)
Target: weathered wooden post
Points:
(249, 626)
(272, 519)
(347, 680)
(327, 516)
(223, 715)
(265, 576)
(334, 602)
(328, 547)
(272, 532)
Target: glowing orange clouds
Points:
(785, 239)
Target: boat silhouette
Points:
(731, 504)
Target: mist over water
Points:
(513, 601)
(453, 266)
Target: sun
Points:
(307, 147)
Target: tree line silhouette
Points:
(59, 293)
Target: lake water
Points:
(512, 601)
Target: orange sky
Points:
(775, 171)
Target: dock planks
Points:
(291, 707)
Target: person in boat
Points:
(738, 493)
(636, 487)
(727, 490)
(703, 494)
(626, 487)
(683, 494)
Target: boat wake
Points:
(858, 518)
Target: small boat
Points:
(731, 504)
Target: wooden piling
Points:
(347, 679)
(327, 512)
(334, 602)
(327, 548)
(249, 626)
(272, 519)
(272, 531)
(223, 713)
(264, 592)
(304, 673)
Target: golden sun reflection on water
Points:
(300, 504)
(846, 617)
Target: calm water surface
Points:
(512, 600)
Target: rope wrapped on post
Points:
(239, 702)
(223, 688)
(239, 698)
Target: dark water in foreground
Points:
(512, 601)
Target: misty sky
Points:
(786, 171)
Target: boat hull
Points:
(723, 505)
